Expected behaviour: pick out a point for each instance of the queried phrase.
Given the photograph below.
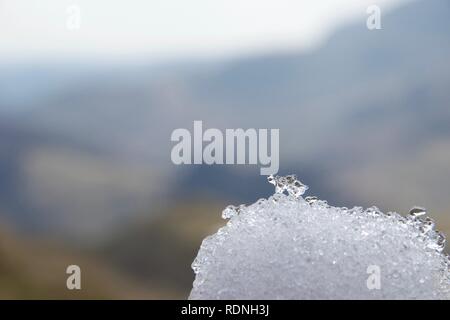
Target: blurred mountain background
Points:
(364, 119)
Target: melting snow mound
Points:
(290, 247)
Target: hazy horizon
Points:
(167, 31)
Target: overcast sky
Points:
(161, 29)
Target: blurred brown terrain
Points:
(85, 170)
(31, 269)
(150, 260)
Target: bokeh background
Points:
(86, 114)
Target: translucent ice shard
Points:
(290, 184)
(417, 212)
(287, 247)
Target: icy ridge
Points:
(291, 247)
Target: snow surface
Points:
(290, 247)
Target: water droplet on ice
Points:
(311, 199)
(437, 241)
(417, 212)
(427, 225)
(373, 211)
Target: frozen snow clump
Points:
(290, 247)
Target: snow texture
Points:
(290, 247)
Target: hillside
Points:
(36, 269)
(360, 118)
(160, 251)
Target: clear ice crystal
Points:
(428, 225)
(311, 199)
(287, 247)
(229, 212)
(417, 212)
(289, 184)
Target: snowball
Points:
(290, 247)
